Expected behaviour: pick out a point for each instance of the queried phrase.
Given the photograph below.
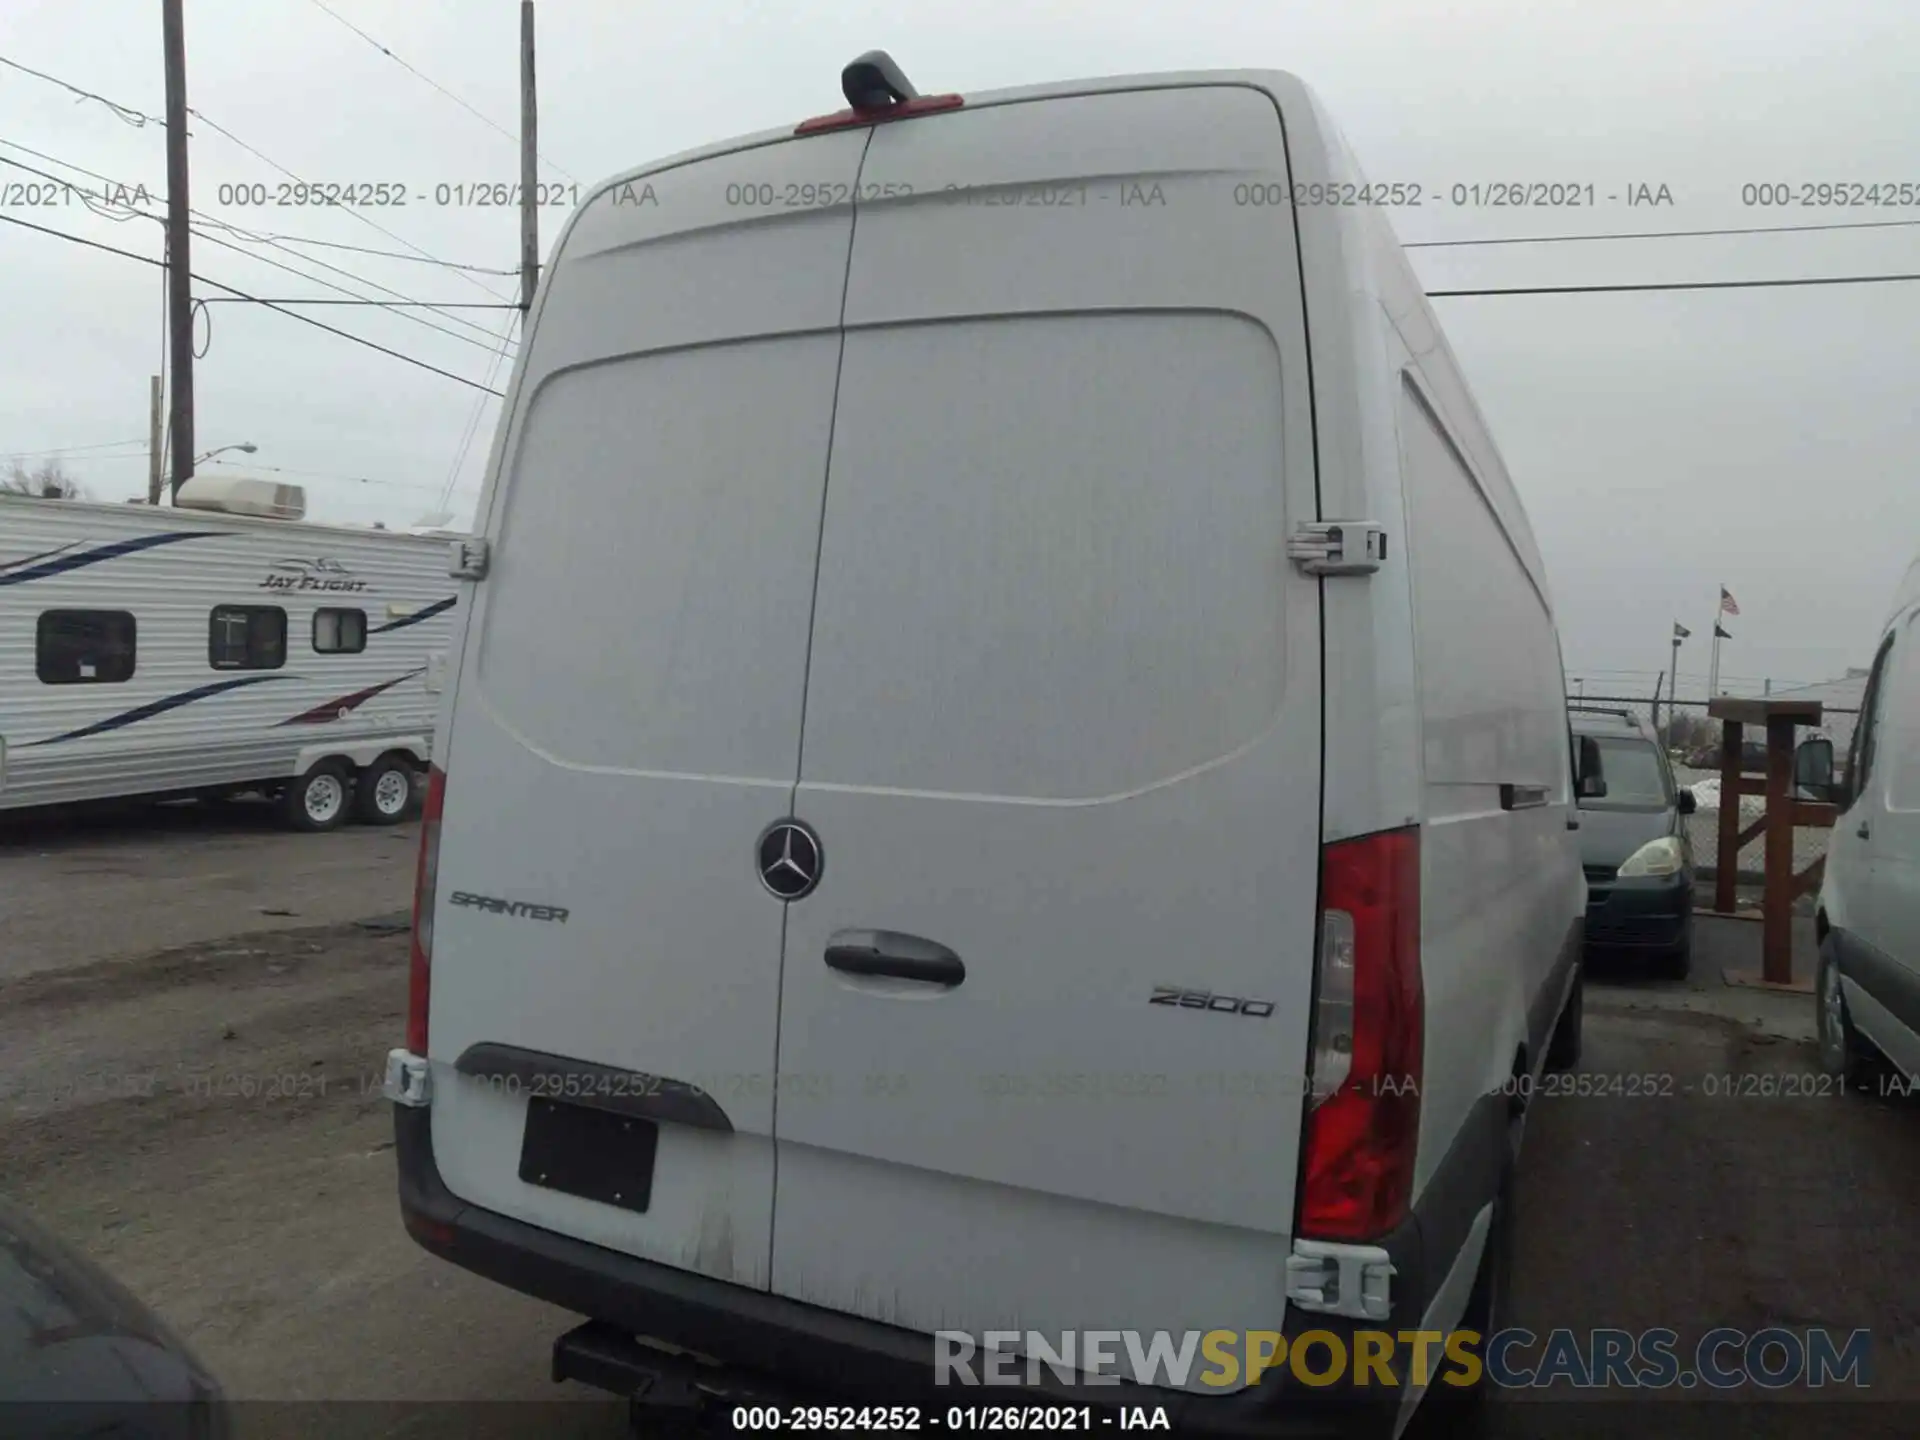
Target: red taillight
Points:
(905, 109)
(1364, 1119)
(434, 1234)
(420, 954)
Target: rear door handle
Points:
(1864, 831)
(888, 952)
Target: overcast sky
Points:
(1664, 444)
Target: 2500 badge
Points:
(1206, 1000)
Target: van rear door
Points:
(1062, 733)
(628, 713)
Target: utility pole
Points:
(156, 476)
(179, 264)
(529, 168)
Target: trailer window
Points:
(339, 632)
(247, 637)
(84, 647)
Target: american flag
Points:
(1727, 607)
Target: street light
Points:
(245, 447)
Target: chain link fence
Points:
(1692, 738)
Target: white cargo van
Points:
(1868, 917)
(999, 649)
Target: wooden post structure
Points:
(1727, 859)
(179, 261)
(1776, 906)
(1784, 811)
(529, 166)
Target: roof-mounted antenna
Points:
(875, 82)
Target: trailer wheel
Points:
(318, 800)
(383, 793)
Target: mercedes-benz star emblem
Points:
(789, 858)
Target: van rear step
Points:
(607, 1358)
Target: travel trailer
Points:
(215, 647)
(1029, 785)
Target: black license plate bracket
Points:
(595, 1154)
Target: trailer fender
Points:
(362, 751)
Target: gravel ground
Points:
(128, 880)
(206, 1122)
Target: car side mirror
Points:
(1813, 769)
(1590, 784)
(1687, 804)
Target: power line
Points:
(136, 211)
(1660, 234)
(140, 455)
(403, 300)
(269, 239)
(351, 275)
(75, 449)
(139, 119)
(220, 285)
(473, 422)
(351, 210)
(318, 280)
(340, 289)
(377, 304)
(389, 254)
(485, 120)
(1679, 285)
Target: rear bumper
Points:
(1640, 914)
(773, 1348)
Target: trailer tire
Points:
(318, 800)
(383, 794)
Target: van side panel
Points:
(1493, 914)
(1893, 782)
(629, 702)
(1380, 457)
(1898, 744)
(1062, 718)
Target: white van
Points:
(1868, 917)
(1003, 615)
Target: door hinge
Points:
(470, 558)
(409, 1079)
(1338, 547)
(1332, 1279)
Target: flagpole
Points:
(1713, 665)
(1673, 685)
